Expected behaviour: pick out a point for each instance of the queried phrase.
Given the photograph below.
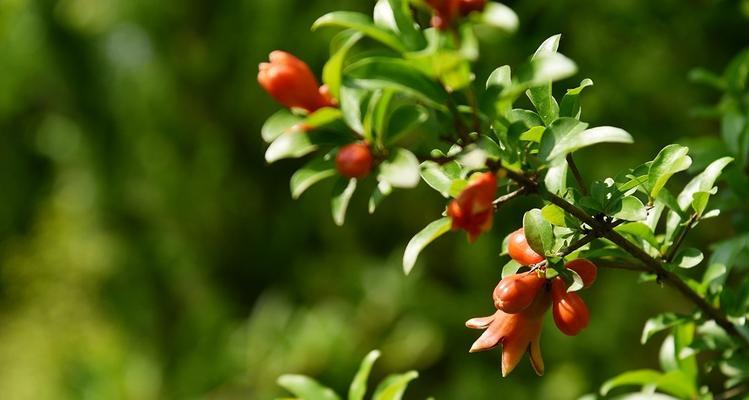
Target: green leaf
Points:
(359, 385)
(631, 209)
(383, 73)
(360, 23)
(672, 159)
(322, 117)
(420, 240)
(547, 66)
(640, 377)
(660, 323)
(500, 16)
(378, 194)
(570, 105)
(703, 182)
(292, 144)
(438, 177)
(331, 72)
(279, 123)
(313, 172)
(511, 268)
(400, 170)
(342, 192)
(569, 135)
(556, 177)
(699, 202)
(393, 387)
(533, 134)
(688, 258)
(395, 15)
(306, 388)
(353, 102)
(554, 214)
(404, 120)
(500, 77)
(538, 231)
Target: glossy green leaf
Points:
(573, 136)
(538, 231)
(383, 73)
(395, 15)
(422, 239)
(500, 16)
(630, 209)
(660, 323)
(703, 182)
(292, 144)
(500, 77)
(570, 105)
(438, 177)
(511, 268)
(360, 23)
(382, 190)
(393, 387)
(354, 102)
(331, 72)
(672, 159)
(688, 257)
(556, 177)
(401, 169)
(640, 377)
(342, 192)
(306, 388)
(554, 215)
(313, 172)
(404, 120)
(279, 123)
(359, 385)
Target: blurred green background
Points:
(147, 251)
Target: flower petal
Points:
(534, 353)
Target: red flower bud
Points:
(585, 268)
(473, 210)
(290, 81)
(354, 160)
(569, 310)
(469, 6)
(516, 292)
(517, 333)
(520, 250)
(445, 12)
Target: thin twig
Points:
(671, 253)
(507, 197)
(576, 174)
(593, 235)
(612, 264)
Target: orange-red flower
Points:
(290, 81)
(517, 333)
(473, 210)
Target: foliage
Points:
(414, 100)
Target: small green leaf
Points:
(359, 385)
(577, 281)
(631, 209)
(703, 182)
(382, 73)
(575, 138)
(538, 231)
(331, 72)
(511, 268)
(393, 387)
(437, 177)
(556, 177)
(500, 77)
(640, 377)
(278, 123)
(660, 323)
(420, 240)
(533, 134)
(292, 144)
(672, 159)
(361, 23)
(699, 202)
(306, 388)
(570, 105)
(342, 192)
(315, 171)
(395, 15)
(400, 170)
(382, 190)
(554, 214)
(688, 258)
(500, 16)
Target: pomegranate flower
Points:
(517, 333)
(473, 210)
(290, 81)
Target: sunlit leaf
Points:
(538, 231)
(393, 387)
(306, 388)
(359, 385)
(360, 23)
(672, 159)
(342, 192)
(400, 170)
(422, 239)
(313, 172)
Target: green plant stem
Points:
(651, 264)
(576, 174)
(671, 253)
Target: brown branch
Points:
(671, 253)
(576, 173)
(593, 235)
(507, 197)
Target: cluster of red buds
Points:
(522, 301)
(291, 82)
